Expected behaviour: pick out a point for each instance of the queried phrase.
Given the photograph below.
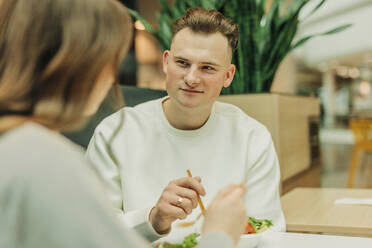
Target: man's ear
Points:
(165, 61)
(229, 76)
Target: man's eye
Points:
(208, 68)
(181, 62)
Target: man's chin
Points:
(189, 103)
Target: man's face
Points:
(197, 67)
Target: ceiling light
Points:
(364, 88)
(354, 72)
(342, 71)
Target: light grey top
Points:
(49, 197)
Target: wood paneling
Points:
(287, 119)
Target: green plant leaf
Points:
(295, 7)
(219, 4)
(332, 31)
(293, 10)
(316, 8)
(179, 9)
(165, 9)
(207, 4)
(338, 29)
(165, 28)
(261, 5)
(141, 19)
(270, 29)
(194, 3)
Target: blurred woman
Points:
(58, 60)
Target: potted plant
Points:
(266, 35)
(267, 31)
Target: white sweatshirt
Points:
(146, 152)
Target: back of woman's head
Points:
(52, 52)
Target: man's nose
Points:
(192, 78)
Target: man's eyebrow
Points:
(179, 57)
(209, 63)
(204, 62)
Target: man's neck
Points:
(185, 118)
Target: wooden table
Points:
(300, 240)
(313, 210)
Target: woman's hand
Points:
(227, 213)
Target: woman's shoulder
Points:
(34, 146)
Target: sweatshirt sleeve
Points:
(263, 177)
(106, 166)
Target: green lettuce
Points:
(188, 242)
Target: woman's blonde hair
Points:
(52, 52)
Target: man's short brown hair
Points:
(208, 22)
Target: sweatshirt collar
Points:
(208, 125)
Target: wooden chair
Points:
(362, 131)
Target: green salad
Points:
(188, 242)
(259, 225)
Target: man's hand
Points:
(177, 201)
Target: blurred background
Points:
(336, 69)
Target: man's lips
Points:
(192, 91)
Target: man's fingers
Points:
(184, 203)
(191, 183)
(197, 179)
(189, 194)
(175, 212)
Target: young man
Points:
(188, 129)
